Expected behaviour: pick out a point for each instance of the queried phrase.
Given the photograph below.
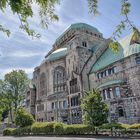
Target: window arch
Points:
(120, 111)
(59, 80)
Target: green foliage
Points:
(134, 126)
(24, 10)
(12, 91)
(78, 129)
(114, 45)
(5, 30)
(95, 109)
(23, 118)
(9, 131)
(93, 6)
(16, 83)
(125, 7)
(114, 125)
(5, 99)
(23, 131)
(118, 30)
(125, 23)
(43, 128)
(59, 128)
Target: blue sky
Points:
(21, 52)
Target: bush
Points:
(23, 118)
(9, 132)
(114, 125)
(43, 128)
(22, 131)
(59, 128)
(134, 126)
(77, 129)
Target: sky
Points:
(19, 51)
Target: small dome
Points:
(83, 25)
(76, 26)
(57, 54)
(132, 49)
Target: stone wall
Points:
(129, 71)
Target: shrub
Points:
(22, 131)
(43, 128)
(9, 132)
(23, 118)
(59, 128)
(134, 126)
(113, 125)
(77, 129)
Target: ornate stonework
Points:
(81, 60)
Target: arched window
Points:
(42, 84)
(120, 111)
(59, 79)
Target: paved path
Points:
(56, 138)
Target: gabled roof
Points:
(107, 58)
(127, 48)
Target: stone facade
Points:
(80, 60)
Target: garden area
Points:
(26, 126)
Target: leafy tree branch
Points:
(24, 10)
(126, 23)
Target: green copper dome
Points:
(132, 49)
(127, 48)
(78, 25)
(57, 54)
(83, 25)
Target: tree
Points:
(23, 118)
(125, 23)
(5, 101)
(12, 91)
(24, 10)
(16, 83)
(95, 110)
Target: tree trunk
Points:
(11, 115)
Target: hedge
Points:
(114, 125)
(9, 132)
(58, 128)
(50, 128)
(134, 126)
(23, 131)
(77, 129)
(39, 128)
